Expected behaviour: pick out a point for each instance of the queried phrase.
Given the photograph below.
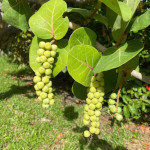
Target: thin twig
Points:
(91, 138)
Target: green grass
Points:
(24, 125)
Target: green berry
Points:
(42, 44)
(40, 85)
(86, 133)
(48, 71)
(51, 102)
(53, 53)
(36, 79)
(50, 95)
(90, 95)
(54, 47)
(86, 122)
(102, 83)
(94, 100)
(93, 118)
(50, 60)
(43, 95)
(93, 79)
(93, 89)
(102, 94)
(38, 93)
(46, 101)
(101, 99)
(37, 73)
(97, 131)
(86, 107)
(112, 108)
(45, 89)
(113, 96)
(99, 105)
(49, 84)
(47, 54)
(119, 110)
(45, 106)
(36, 87)
(50, 90)
(90, 112)
(46, 65)
(97, 113)
(93, 124)
(45, 79)
(38, 59)
(92, 106)
(99, 77)
(97, 124)
(88, 101)
(100, 89)
(95, 84)
(86, 117)
(40, 99)
(119, 117)
(40, 52)
(43, 59)
(97, 95)
(111, 102)
(97, 119)
(92, 129)
(41, 70)
(48, 46)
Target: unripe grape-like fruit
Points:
(88, 101)
(51, 102)
(119, 110)
(102, 94)
(93, 118)
(54, 47)
(97, 95)
(90, 112)
(113, 96)
(86, 122)
(50, 60)
(38, 59)
(87, 133)
(97, 131)
(50, 96)
(92, 106)
(94, 100)
(95, 84)
(90, 95)
(40, 99)
(99, 105)
(50, 90)
(45, 79)
(97, 124)
(45, 106)
(93, 124)
(97, 113)
(92, 129)
(48, 71)
(37, 73)
(97, 119)
(45, 89)
(36, 79)
(99, 77)
(43, 59)
(100, 89)
(49, 84)
(93, 79)
(46, 101)
(102, 83)
(40, 85)
(112, 108)
(48, 46)
(42, 44)
(41, 70)
(40, 52)
(46, 65)
(38, 93)
(86, 117)
(86, 107)
(101, 99)
(119, 117)
(36, 87)
(93, 89)
(43, 95)
(111, 102)
(53, 53)
(47, 54)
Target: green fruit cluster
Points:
(43, 85)
(93, 106)
(112, 107)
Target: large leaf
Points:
(82, 36)
(47, 22)
(33, 54)
(16, 13)
(86, 14)
(141, 22)
(120, 25)
(62, 57)
(115, 57)
(79, 90)
(126, 112)
(120, 8)
(81, 61)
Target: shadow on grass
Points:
(17, 90)
(95, 143)
(70, 114)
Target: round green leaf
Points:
(81, 61)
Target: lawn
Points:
(25, 125)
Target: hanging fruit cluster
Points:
(42, 79)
